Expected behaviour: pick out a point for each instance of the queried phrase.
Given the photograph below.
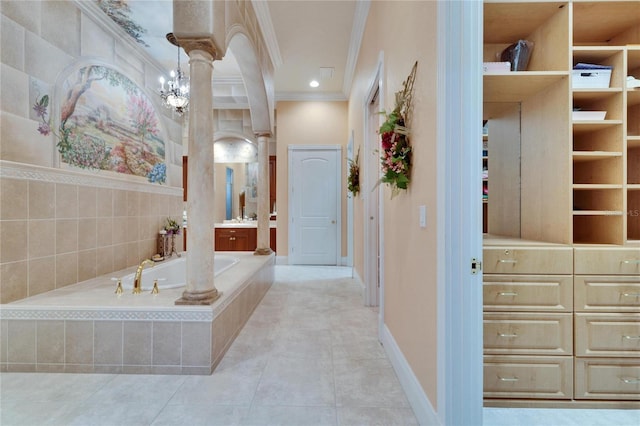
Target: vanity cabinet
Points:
(240, 239)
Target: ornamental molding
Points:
(102, 314)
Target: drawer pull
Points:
(232, 238)
(507, 261)
(628, 337)
(629, 380)
(628, 261)
(513, 379)
(507, 335)
(630, 294)
(507, 293)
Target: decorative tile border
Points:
(152, 314)
(10, 169)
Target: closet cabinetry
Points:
(562, 248)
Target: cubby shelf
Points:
(594, 155)
(586, 186)
(594, 94)
(597, 213)
(633, 142)
(595, 125)
(518, 85)
(633, 96)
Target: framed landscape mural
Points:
(107, 123)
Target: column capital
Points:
(263, 134)
(204, 44)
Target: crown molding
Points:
(306, 96)
(261, 9)
(357, 32)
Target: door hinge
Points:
(476, 266)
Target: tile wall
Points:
(57, 230)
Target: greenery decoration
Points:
(394, 134)
(353, 180)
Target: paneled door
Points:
(314, 205)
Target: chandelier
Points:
(176, 93)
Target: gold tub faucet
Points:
(137, 281)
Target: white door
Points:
(314, 205)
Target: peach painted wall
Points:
(405, 32)
(308, 123)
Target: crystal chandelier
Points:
(176, 93)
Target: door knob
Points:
(333, 222)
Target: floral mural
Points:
(106, 123)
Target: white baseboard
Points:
(344, 261)
(356, 276)
(421, 405)
(282, 260)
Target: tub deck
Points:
(87, 328)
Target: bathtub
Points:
(173, 273)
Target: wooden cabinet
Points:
(272, 182)
(240, 239)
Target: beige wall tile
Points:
(42, 200)
(104, 202)
(62, 26)
(22, 341)
(137, 343)
(133, 257)
(120, 230)
(196, 344)
(42, 275)
(87, 202)
(66, 269)
(42, 238)
(133, 228)
(148, 227)
(50, 342)
(66, 201)
(11, 43)
(94, 41)
(119, 257)
(22, 143)
(15, 91)
(108, 342)
(104, 261)
(86, 265)
(119, 203)
(147, 248)
(133, 203)
(13, 285)
(104, 231)
(13, 245)
(14, 199)
(4, 334)
(43, 60)
(78, 344)
(24, 13)
(166, 343)
(66, 235)
(87, 234)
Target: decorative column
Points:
(200, 186)
(264, 210)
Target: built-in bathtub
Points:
(88, 328)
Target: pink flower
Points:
(44, 129)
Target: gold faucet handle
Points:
(155, 289)
(119, 290)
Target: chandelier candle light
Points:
(176, 94)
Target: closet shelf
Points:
(590, 126)
(518, 85)
(597, 213)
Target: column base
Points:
(199, 298)
(263, 251)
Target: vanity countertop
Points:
(248, 224)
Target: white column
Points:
(264, 210)
(200, 186)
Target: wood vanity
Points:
(240, 236)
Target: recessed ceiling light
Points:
(314, 83)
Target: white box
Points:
(588, 115)
(496, 66)
(591, 79)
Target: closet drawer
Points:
(607, 379)
(607, 261)
(611, 335)
(528, 334)
(528, 377)
(528, 293)
(607, 293)
(530, 260)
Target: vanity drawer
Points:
(611, 379)
(607, 293)
(527, 293)
(607, 261)
(530, 260)
(548, 377)
(528, 333)
(611, 335)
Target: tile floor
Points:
(309, 355)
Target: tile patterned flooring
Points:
(309, 355)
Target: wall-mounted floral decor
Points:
(106, 123)
(353, 179)
(394, 134)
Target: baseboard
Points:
(282, 260)
(420, 404)
(356, 276)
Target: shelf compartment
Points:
(590, 126)
(518, 85)
(579, 156)
(633, 120)
(597, 201)
(604, 55)
(612, 104)
(633, 165)
(597, 229)
(594, 94)
(589, 27)
(606, 139)
(633, 96)
(606, 170)
(633, 142)
(633, 213)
